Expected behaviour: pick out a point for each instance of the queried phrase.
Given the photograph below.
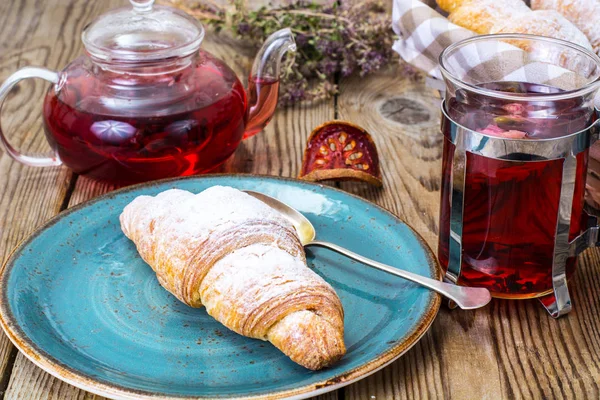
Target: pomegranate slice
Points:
(341, 151)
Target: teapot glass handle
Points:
(24, 73)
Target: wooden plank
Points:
(511, 349)
(30, 35)
(275, 151)
(30, 382)
(29, 196)
(403, 119)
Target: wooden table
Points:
(511, 349)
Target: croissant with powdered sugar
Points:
(243, 261)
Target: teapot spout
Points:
(263, 83)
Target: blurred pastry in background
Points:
(512, 16)
(585, 14)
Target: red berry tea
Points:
(510, 208)
(127, 128)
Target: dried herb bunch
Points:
(333, 40)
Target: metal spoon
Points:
(467, 298)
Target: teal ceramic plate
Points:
(80, 303)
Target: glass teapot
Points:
(146, 102)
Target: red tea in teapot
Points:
(510, 208)
(144, 137)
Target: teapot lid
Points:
(142, 33)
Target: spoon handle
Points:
(467, 298)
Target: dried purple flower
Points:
(301, 40)
(243, 28)
(328, 67)
(331, 39)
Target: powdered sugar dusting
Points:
(197, 216)
(545, 23)
(247, 291)
(584, 14)
(215, 208)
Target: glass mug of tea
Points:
(518, 120)
(146, 102)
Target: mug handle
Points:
(24, 73)
(590, 237)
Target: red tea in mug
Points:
(510, 207)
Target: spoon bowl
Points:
(465, 297)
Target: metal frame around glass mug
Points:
(566, 148)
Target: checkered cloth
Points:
(424, 34)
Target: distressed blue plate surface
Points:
(80, 303)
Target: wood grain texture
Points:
(43, 33)
(30, 382)
(408, 145)
(275, 151)
(28, 196)
(511, 349)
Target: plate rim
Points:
(76, 378)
